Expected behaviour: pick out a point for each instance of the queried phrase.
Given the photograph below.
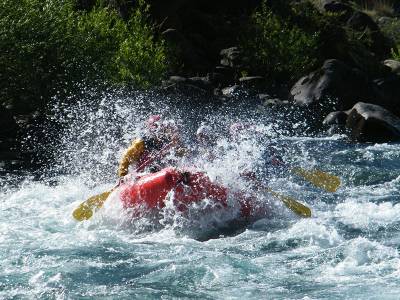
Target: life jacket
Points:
(139, 152)
(152, 147)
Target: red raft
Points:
(189, 187)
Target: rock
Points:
(173, 82)
(383, 21)
(230, 57)
(338, 8)
(268, 100)
(172, 34)
(264, 96)
(217, 92)
(252, 82)
(335, 122)
(361, 21)
(215, 79)
(387, 91)
(201, 82)
(227, 73)
(272, 102)
(335, 86)
(177, 79)
(231, 90)
(336, 118)
(192, 85)
(394, 65)
(372, 123)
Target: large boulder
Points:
(335, 86)
(231, 57)
(372, 123)
(387, 91)
(337, 7)
(394, 65)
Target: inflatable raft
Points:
(151, 190)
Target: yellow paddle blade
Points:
(319, 178)
(292, 204)
(85, 210)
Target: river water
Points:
(349, 249)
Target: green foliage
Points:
(46, 46)
(390, 27)
(277, 49)
(396, 54)
(140, 59)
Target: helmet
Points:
(159, 127)
(153, 122)
(204, 133)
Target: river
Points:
(348, 249)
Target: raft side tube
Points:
(150, 189)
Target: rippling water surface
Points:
(349, 249)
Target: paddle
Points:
(86, 209)
(291, 203)
(319, 178)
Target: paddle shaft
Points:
(297, 207)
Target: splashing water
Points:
(347, 250)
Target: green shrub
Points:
(396, 54)
(277, 49)
(390, 27)
(140, 59)
(46, 46)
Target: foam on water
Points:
(349, 249)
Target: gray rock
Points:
(337, 7)
(230, 57)
(177, 79)
(394, 65)
(231, 91)
(189, 86)
(200, 82)
(335, 86)
(252, 81)
(379, 44)
(273, 102)
(387, 91)
(336, 118)
(361, 21)
(227, 74)
(372, 123)
(264, 96)
(335, 122)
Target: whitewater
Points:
(348, 249)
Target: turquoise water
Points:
(349, 249)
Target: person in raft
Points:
(147, 153)
(206, 141)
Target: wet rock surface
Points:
(334, 86)
(372, 123)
